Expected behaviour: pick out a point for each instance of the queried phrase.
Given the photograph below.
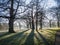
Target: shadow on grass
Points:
(43, 38)
(30, 39)
(57, 36)
(39, 40)
(4, 34)
(8, 40)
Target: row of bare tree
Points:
(33, 13)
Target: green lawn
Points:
(40, 37)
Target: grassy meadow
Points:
(29, 37)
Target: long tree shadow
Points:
(43, 38)
(30, 39)
(39, 40)
(57, 36)
(6, 41)
(4, 34)
(7, 33)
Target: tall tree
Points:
(32, 18)
(11, 6)
(11, 20)
(56, 10)
(37, 7)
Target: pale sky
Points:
(27, 1)
(46, 3)
(51, 3)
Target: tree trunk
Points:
(32, 19)
(37, 8)
(30, 25)
(11, 29)
(50, 23)
(19, 25)
(57, 20)
(33, 25)
(41, 23)
(27, 24)
(58, 23)
(11, 20)
(36, 20)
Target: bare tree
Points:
(9, 5)
(56, 10)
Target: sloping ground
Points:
(29, 37)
